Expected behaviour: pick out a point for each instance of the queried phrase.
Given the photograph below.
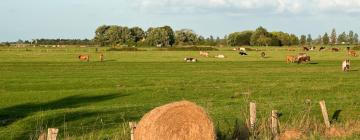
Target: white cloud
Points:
(249, 6)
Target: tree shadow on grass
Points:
(82, 122)
(12, 114)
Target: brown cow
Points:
(101, 57)
(84, 58)
(306, 49)
(321, 48)
(352, 53)
(203, 53)
(335, 49)
(290, 59)
(302, 59)
(291, 49)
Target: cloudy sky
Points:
(29, 19)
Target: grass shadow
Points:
(12, 114)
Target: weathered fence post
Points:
(274, 124)
(252, 115)
(132, 128)
(52, 133)
(324, 113)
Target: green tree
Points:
(186, 37)
(239, 38)
(356, 39)
(294, 40)
(302, 39)
(309, 39)
(260, 37)
(326, 39)
(281, 39)
(100, 38)
(161, 36)
(137, 34)
(333, 36)
(342, 38)
(351, 37)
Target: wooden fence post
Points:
(324, 113)
(52, 133)
(274, 124)
(132, 128)
(252, 115)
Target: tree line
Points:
(165, 36)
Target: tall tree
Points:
(351, 37)
(186, 37)
(260, 37)
(239, 38)
(309, 39)
(302, 39)
(356, 39)
(326, 39)
(294, 39)
(342, 38)
(333, 36)
(137, 33)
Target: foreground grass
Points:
(42, 88)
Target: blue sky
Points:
(30, 19)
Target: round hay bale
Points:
(175, 121)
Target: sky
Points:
(32, 19)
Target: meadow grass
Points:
(48, 87)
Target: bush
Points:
(188, 49)
(123, 49)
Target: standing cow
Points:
(290, 59)
(346, 65)
(203, 53)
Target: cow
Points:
(346, 65)
(306, 49)
(203, 53)
(290, 59)
(291, 49)
(84, 58)
(101, 57)
(242, 53)
(302, 59)
(190, 59)
(220, 56)
(335, 49)
(312, 48)
(263, 55)
(352, 53)
(321, 48)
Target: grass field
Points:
(49, 87)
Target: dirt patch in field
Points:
(178, 120)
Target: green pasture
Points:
(42, 88)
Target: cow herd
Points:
(299, 58)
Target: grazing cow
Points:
(190, 59)
(263, 55)
(312, 48)
(242, 53)
(291, 49)
(346, 65)
(290, 59)
(302, 59)
(220, 56)
(321, 48)
(203, 53)
(84, 58)
(101, 57)
(352, 53)
(335, 49)
(306, 49)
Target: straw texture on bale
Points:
(175, 121)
